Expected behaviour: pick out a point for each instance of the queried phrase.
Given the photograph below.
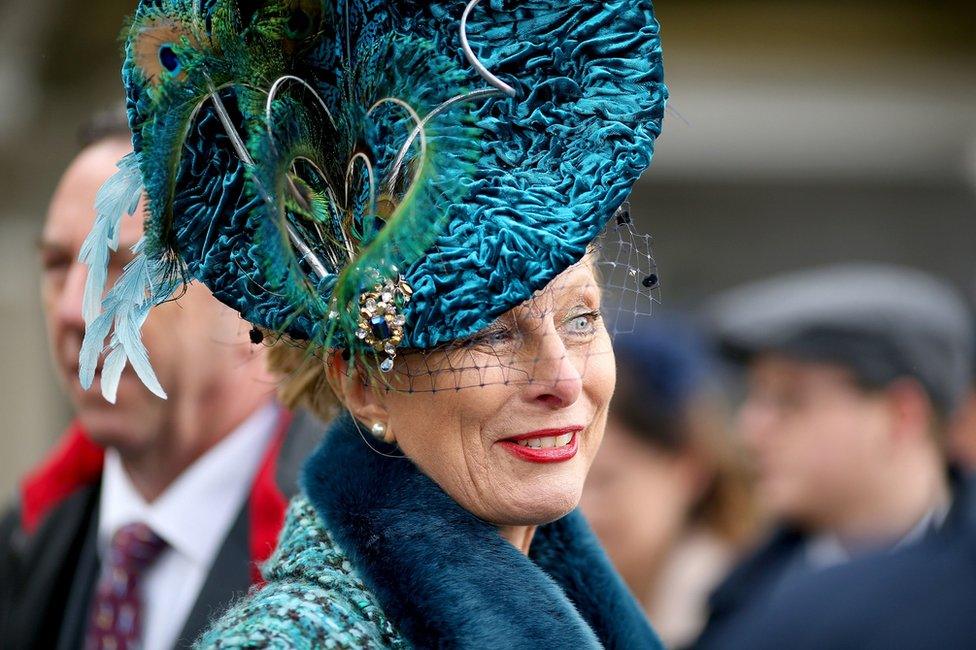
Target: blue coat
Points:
(376, 555)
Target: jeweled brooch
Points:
(381, 320)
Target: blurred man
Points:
(149, 516)
(853, 373)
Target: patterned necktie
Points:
(115, 620)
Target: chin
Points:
(107, 428)
(537, 505)
(121, 425)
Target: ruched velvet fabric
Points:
(556, 161)
(524, 188)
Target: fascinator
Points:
(370, 175)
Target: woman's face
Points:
(508, 423)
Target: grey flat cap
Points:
(883, 322)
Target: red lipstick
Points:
(556, 454)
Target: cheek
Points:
(599, 381)
(837, 431)
(448, 435)
(427, 429)
(604, 384)
(163, 336)
(51, 291)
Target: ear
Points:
(911, 410)
(364, 400)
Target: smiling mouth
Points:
(547, 442)
(549, 446)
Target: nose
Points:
(555, 382)
(69, 312)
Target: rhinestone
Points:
(380, 328)
(387, 365)
(361, 334)
(389, 348)
(387, 297)
(371, 305)
(400, 320)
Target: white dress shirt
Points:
(193, 516)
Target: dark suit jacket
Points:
(763, 594)
(751, 581)
(47, 575)
(919, 598)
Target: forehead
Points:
(776, 369)
(577, 283)
(71, 211)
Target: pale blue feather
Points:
(143, 285)
(118, 196)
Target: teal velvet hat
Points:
(368, 175)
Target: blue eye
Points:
(168, 58)
(498, 336)
(583, 324)
(491, 338)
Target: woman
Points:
(409, 213)
(669, 494)
(455, 543)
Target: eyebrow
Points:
(588, 293)
(42, 245)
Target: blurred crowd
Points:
(794, 474)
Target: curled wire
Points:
(472, 57)
(418, 130)
(238, 143)
(273, 92)
(419, 126)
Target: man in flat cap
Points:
(852, 375)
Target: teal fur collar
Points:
(447, 579)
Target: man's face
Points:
(190, 343)
(817, 438)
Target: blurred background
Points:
(801, 133)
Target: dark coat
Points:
(377, 555)
(752, 581)
(918, 598)
(773, 571)
(48, 559)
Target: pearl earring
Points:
(379, 431)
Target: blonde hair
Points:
(304, 379)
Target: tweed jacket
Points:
(375, 555)
(313, 598)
